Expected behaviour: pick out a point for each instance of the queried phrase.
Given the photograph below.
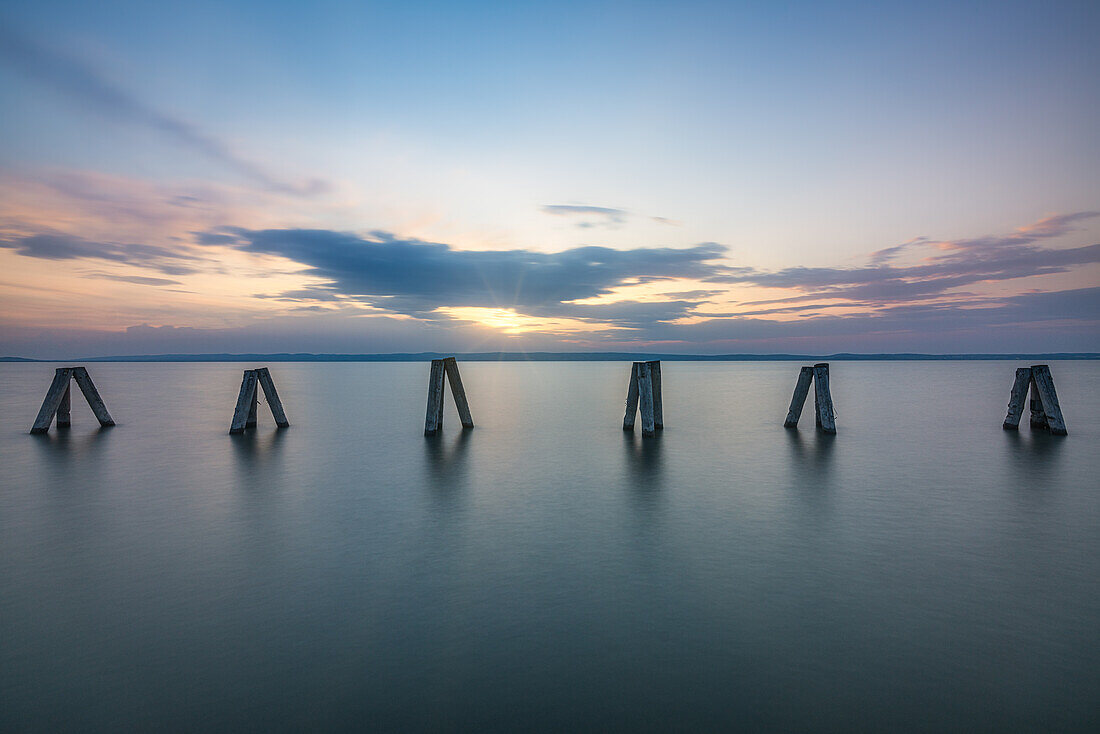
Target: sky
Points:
(680, 177)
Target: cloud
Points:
(588, 216)
(956, 263)
(1031, 322)
(138, 279)
(415, 278)
(599, 216)
(67, 247)
(211, 238)
(84, 85)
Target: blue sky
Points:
(382, 145)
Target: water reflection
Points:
(446, 463)
(1033, 452)
(811, 457)
(256, 448)
(64, 444)
(644, 458)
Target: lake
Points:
(922, 570)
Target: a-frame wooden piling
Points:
(58, 401)
(643, 395)
(433, 417)
(245, 413)
(1045, 411)
(824, 414)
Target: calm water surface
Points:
(923, 570)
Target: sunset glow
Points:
(706, 182)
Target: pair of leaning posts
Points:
(58, 400)
(1045, 410)
(643, 396)
(823, 399)
(244, 415)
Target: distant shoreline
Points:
(564, 357)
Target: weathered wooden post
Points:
(823, 399)
(801, 390)
(1016, 399)
(643, 395)
(244, 415)
(433, 418)
(58, 400)
(1045, 412)
(263, 375)
(658, 407)
(825, 416)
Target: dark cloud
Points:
(414, 277)
(83, 84)
(67, 247)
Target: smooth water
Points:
(922, 570)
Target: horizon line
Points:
(545, 356)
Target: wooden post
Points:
(450, 365)
(658, 406)
(631, 399)
(1042, 386)
(64, 414)
(801, 390)
(823, 400)
(1016, 399)
(84, 382)
(58, 388)
(433, 418)
(645, 395)
(244, 402)
(272, 396)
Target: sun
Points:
(508, 321)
